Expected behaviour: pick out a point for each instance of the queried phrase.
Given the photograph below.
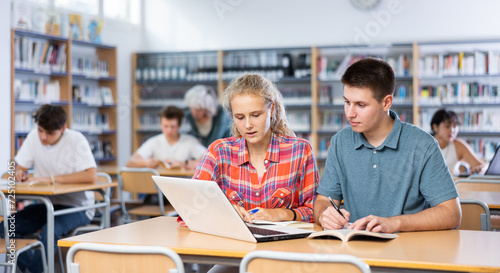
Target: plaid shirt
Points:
(290, 179)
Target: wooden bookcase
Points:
(95, 77)
(323, 103)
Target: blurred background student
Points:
(170, 147)
(456, 152)
(208, 120)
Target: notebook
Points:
(205, 208)
(494, 168)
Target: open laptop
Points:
(494, 168)
(205, 208)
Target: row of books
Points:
(296, 96)
(459, 93)
(483, 120)
(23, 122)
(164, 68)
(330, 68)
(299, 121)
(273, 65)
(39, 55)
(151, 122)
(485, 148)
(91, 122)
(100, 148)
(92, 95)
(37, 90)
(160, 97)
(49, 20)
(459, 64)
(89, 66)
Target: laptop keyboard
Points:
(262, 231)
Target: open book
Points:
(294, 224)
(348, 234)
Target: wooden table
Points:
(452, 250)
(40, 193)
(491, 198)
(179, 172)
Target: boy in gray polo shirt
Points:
(390, 174)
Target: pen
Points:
(335, 206)
(253, 211)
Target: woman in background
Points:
(444, 125)
(207, 119)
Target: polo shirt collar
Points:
(272, 154)
(390, 142)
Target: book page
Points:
(348, 234)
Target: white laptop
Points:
(494, 167)
(205, 208)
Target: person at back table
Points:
(390, 174)
(444, 125)
(170, 147)
(207, 119)
(263, 166)
(58, 155)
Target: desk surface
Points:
(181, 172)
(453, 250)
(24, 188)
(491, 198)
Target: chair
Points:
(101, 177)
(21, 245)
(263, 261)
(475, 215)
(97, 258)
(138, 180)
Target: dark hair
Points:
(444, 115)
(172, 112)
(374, 74)
(50, 117)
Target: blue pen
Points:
(253, 211)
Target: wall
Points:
(229, 24)
(4, 85)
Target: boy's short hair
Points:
(172, 112)
(50, 117)
(371, 73)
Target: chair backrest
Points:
(475, 215)
(4, 214)
(263, 261)
(96, 258)
(137, 180)
(106, 178)
(477, 185)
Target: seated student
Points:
(263, 165)
(208, 120)
(444, 125)
(172, 147)
(58, 155)
(390, 174)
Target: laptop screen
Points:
(494, 168)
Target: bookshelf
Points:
(309, 79)
(162, 79)
(47, 69)
(463, 76)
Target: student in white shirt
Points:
(172, 147)
(58, 155)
